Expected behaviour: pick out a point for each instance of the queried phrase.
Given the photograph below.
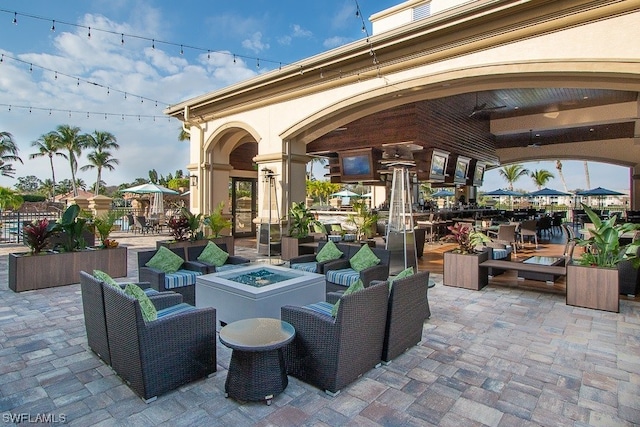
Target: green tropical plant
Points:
(465, 237)
(104, 224)
(8, 153)
(72, 224)
(216, 220)
(363, 219)
(603, 247)
(541, 177)
(300, 219)
(194, 222)
(47, 146)
(69, 138)
(9, 199)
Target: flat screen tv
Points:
(478, 174)
(358, 165)
(460, 173)
(438, 165)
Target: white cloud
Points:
(158, 74)
(335, 41)
(255, 43)
(298, 31)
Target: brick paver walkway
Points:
(498, 357)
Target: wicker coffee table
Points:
(257, 370)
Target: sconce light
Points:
(194, 180)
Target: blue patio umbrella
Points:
(501, 192)
(443, 193)
(600, 193)
(548, 192)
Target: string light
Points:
(53, 25)
(153, 44)
(122, 36)
(181, 50)
(77, 79)
(49, 111)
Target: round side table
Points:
(257, 369)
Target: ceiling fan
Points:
(481, 108)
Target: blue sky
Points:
(49, 72)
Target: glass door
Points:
(244, 206)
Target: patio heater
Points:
(266, 234)
(400, 234)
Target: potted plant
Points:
(103, 225)
(593, 278)
(40, 268)
(363, 219)
(300, 220)
(217, 221)
(462, 264)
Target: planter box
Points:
(227, 240)
(593, 287)
(291, 248)
(29, 272)
(463, 270)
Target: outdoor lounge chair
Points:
(309, 262)
(234, 261)
(183, 281)
(94, 314)
(331, 353)
(340, 275)
(160, 355)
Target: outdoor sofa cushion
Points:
(149, 312)
(165, 260)
(329, 252)
(213, 254)
(363, 259)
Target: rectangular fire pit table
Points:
(258, 290)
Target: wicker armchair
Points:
(183, 281)
(309, 263)
(158, 356)
(331, 353)
(408, 309)
(629, 278)
(340, 275)
(234, 261)
(94, 314)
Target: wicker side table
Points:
(257, 368)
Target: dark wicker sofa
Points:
(308, 262)
(193, 252)
(94, 314)
(377, 272)
(158, 356)
(159, 280)
(330, 353)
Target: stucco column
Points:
(217, 187)
(100, 205)
(634, 203)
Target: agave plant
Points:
(603, 247)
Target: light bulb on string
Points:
(181, 50)
(123, 117)
(122, 38)
(31, 68)
(208, 54)
(55, 76)
(2, 58)
(125, 95)
(141, 100)
(53, 25)
(9, 107)
(105, 116)
(257, 62)
(49, 111)
(153, 44)
(89, 33)
(78, 84)
(29, 110)
(234, 59)
(108, 90)
(15, 18)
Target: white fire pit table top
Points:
(258, 290)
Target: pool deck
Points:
(503, 356)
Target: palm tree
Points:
(8, 153)
(101, 157)
(47, 146)
(47, 189)
(512, 173)
(319, 160)
(9, 199)
(184, 135)
(541, 177)
(69, 138)
(559, 167)
(586, 174)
